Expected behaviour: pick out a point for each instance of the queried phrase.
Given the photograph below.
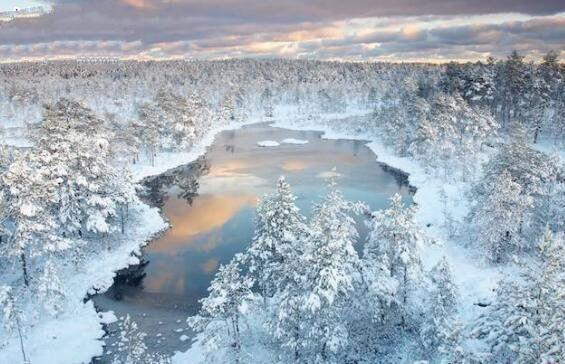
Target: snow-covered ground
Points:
(76, 335)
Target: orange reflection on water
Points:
(229, 167)
(207, 213)
(292, 165)
(210, 265)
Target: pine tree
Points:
(278, 240)
(31, 230)
(499, 217)
(525, 323)
(147, 129)
(75, 147)
(219, 320)
(392, 253)
(534, 173)
(50, 289)
(333, 270)
(276, 262)
(131, 345)
(440, 331)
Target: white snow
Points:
(77, 335)
(183, 338)
(268, 143)
(107, 317)
(294, 141)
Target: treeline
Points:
(451, 116)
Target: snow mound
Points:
(294, 141)
(183, 338)
(107, 317)
(268, 143)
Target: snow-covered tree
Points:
(280, 232)
(333, 270)
(499, 216)
(267, 102)
(391, 261)
(75, 147)
(30, 229)
(525, 324)
(220, 318)
(147, 129)
(50, 289)
(12, 317)
(131, 347)
(440, 330)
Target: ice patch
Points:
(268, 143)
(107, 317)
(329, 174)
(183, 338)
(294, 141)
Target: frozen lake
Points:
(210, 205)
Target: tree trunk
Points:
(24, 269)
(122, 213)
(21, 340)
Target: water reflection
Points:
(210, 204)
(205, 214)
(293, 165)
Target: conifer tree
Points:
(220, 318)
(278, 241)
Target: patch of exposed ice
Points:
(107, 317)
(268, 143)
(294, 141)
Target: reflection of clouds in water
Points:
(212, 241)
(229, 167)
(210, 265)
(207, 212)
(233, 183)
(166, 279)
(292, 165)
(229, 176)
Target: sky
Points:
(353, 30)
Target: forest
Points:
(77, 136)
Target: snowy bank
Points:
(76, 335)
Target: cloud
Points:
(356, 29)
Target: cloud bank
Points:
(425, 30)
